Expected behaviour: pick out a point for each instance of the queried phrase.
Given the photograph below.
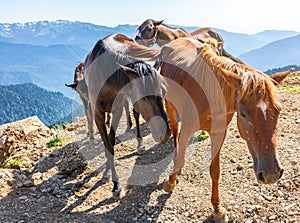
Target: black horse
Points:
(112, 75)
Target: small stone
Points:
(272, 217)
(267, 197)
(233, 160)
(23, 197)
(279, 193)
(28, 183)
(239, 167)
(56, 190)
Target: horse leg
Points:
(88, 114)
(179, 157)
(141, 148)
(90, 122)
(100, 122)
(171, 110)
(129, 122)
(118, 192)
(219, 211)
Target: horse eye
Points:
(243, 114)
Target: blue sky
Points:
(231, 15)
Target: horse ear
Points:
(220, 45)
(131, 73)
(279, 77)
(200, 39)
(157, 23)
(233, 79)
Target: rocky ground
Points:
(63, 183)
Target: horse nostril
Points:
(260, 177)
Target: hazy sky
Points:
(231, 15)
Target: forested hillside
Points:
(25, 100)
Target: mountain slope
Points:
(269, 36)
(49, 67)
(25, 100)
(85, 35)
(276, 54)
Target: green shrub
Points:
(55, 141)
(203, 136)
(14, 163)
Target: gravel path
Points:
(63, 184)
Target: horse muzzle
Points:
(265, 177)
(159, 129)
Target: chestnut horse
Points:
(112, 75)
(206, 89)
(153, 31)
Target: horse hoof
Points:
(141, 150)
(105, 179)
(180, 172)
(118, 194)
(220, 216)
(169, 187)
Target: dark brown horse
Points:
(153, 31)
(80, 86)
(112, 75)
(206, 89)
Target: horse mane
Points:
(148, 76)
(174, 28)
(255, 85)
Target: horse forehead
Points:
(263, 106)
(145, 24)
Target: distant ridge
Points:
(46, 53)
(276, 54)
(269, 36)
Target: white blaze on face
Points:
(263, 107)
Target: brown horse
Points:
(112, 75)
(152, 31)
(206, 90)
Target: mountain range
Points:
(46, 53)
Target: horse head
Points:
(79, 84)
(257, 115)
(147, 92)
(148, 32)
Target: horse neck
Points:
(166, 34)
(230, 93)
